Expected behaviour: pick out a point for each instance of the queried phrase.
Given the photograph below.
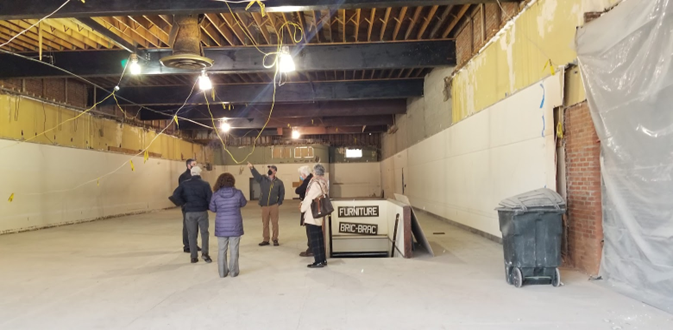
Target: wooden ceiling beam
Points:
(233, 24)
(121, 30)
(219, 26)
(260, 22)
(86, 32)
(371, 21)
(441, 21)
(413, 22)
(358, 12)
(400, 19)
(304, 26)
(19, 26)
(151, 28)
(461, 13)
(427, 21)
(386, 17)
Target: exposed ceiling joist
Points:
(29, 9)
(245, 59)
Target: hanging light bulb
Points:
(285, 61)
(134, 66)
(225, 127)
(295, 134)
(204, 82)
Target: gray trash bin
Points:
(532, 227)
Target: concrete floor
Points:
(130, 273)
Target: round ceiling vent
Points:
(187, 62)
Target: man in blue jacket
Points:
(196, 194)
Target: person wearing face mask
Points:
(273, 194)
(305, 176)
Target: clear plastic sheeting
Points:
(625, 58)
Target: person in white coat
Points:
(317, 187)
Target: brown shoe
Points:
(275, 243)
(306, 254)
(264, 243)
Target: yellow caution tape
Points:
(176, 120)
(146, 157)
(133, 168)
(559, 130)
(98, 182)
(11, 198)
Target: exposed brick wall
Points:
(77, 94)
(493, 19)
(474, 32)
(464, 43)
(54, 90)
(477, 29)
(34, 87)
(585, 227)
(509, 10)
(13, 84)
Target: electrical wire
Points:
(36, 23)
(277, 73)
(99, 178)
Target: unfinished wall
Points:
(425, 117)
(463, 172)
(520, 54)
(60, 177)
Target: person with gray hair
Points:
(317, 187)
(305, 176)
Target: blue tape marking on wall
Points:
(544, 96)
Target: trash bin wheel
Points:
(556, 279)
(508, 274)
(517, 277)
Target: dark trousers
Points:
(308, 238)
(196, 221)
(185, 236)
(317, 242)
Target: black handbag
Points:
(321, 206)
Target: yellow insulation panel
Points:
(521, 53)
(25, 119)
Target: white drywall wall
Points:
(42, 177)
(463, 172)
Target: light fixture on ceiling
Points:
(134, 66)
(204, 82)
(224, 126)
(295, 134)
(285, 61)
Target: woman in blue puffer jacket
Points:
(227, 202)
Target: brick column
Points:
(584, 189)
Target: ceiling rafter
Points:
(427, 21)
(461, 13)
(413, 22)
(399, 19)
(385, 19)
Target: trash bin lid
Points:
(540, 199)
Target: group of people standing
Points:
(196, 197)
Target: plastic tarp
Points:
(625, 58)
